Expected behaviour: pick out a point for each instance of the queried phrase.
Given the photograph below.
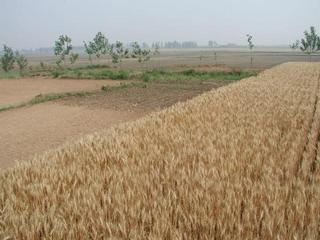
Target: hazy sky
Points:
(37, 23)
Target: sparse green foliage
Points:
(118, 52)
(295, 45)
(7, 59)
(99, 46)
(62, 48)
(89, 49)
(73, 57)
(108, 88)
(192, 76)
(21, 61)
(143, 55)
(311, 43)
(251, 46)
(42, 65)
(156, 49)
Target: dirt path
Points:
(18, 90)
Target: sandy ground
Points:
(18, 90)
(27, 131)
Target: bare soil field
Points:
(14, 91)
(33, 130)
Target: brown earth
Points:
(14, 91)
(32, 130)
(27, 131)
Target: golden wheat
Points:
(240, 162)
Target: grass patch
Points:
(108, 88)
(192, 76)
(91, 74)
(13, 74)
(41, 98)
(93, 66)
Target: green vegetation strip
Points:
(41, 98)
(108, 88)
(193, 76)
(91, 73)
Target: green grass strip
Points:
(41, 98)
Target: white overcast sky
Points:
(37, 23)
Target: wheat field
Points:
(240, 162)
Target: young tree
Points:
(295, 45)
(143, 55)
(311, 43)
(7, 59)
(89, 49)
(62, 48)
(73, 57)
(118, 52)
(21, 61)
(250, 45)
(99, 46)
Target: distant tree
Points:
(21, 61)
(73, 57)
(156, 45)
(62, 48)
(143, 55)
(173, 44)
(311, 43)
(189, 44)
(118, 52)
(7, 59)
(89, 49)
(42, 65)
(210, 44)
(251, 46)
(295, 45)
(156, 48)
(215, 58)
(145, 45)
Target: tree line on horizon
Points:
(100, 46)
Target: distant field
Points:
(181, 58)
(240, 162)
